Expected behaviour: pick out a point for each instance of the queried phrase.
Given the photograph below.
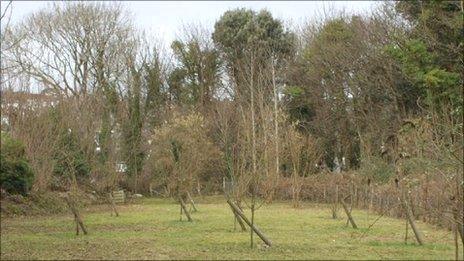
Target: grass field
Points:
(151, 229)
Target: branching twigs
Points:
(373, 223)
(6, 10)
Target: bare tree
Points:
(68, 48)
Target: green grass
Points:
(151, 229)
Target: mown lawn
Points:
(151, 229)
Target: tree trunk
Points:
(252, 227)
(276, 121)
(459, 226)
(77, 216)
(325, 195)
(135, 176)
(180, 217)
(406, 234)
(238, 219)
(199, 188)
(351, 205)
(371, 198)
(191, 202)
(252, 223)
(253, 148)
(456, 244)
(348, 213)
(410, 218)
(295, 189)
(335, 204)
(113, 206)
(187, 214)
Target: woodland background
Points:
(367, 106)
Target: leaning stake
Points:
(77, 216)
(253, 227)
(348, 213)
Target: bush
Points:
(69, 157)
(183, 155)
(16, 176)
(377, 169)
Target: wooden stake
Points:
(192, 203)
(113, 206)
(238, 219)
(348, 213)
(183, 207)
(77, 216)
(412, 223)
(253, 227)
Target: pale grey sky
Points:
(165, 18)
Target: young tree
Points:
(303, 153)
(253, 44)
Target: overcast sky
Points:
(164, 19)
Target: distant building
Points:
(121, 167)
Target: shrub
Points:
(16, 176)
(69, 157)
(183, 154)
(68, 153)
(377, 169)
